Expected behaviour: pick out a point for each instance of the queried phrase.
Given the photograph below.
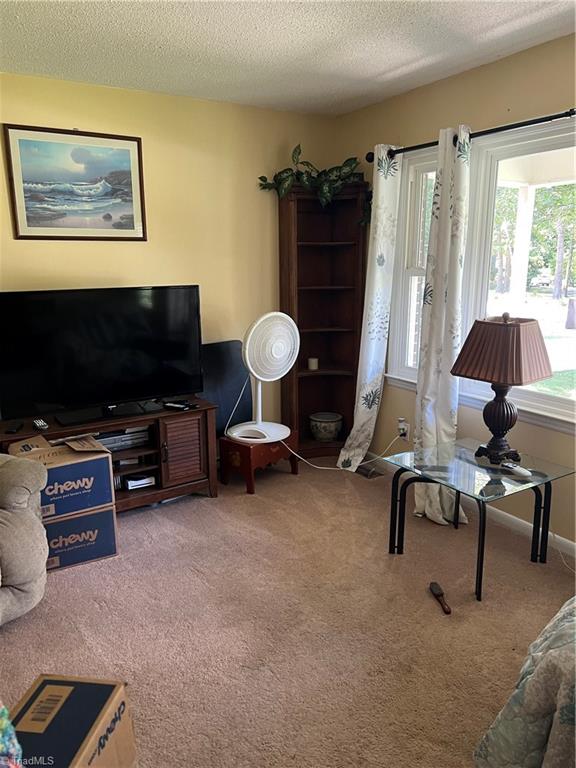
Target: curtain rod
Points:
(487, 132)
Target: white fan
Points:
(269, 350)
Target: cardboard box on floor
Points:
(79, 474)
(81, 538)
(74, 722)
(78, 501)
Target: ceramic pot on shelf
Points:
(325, 426)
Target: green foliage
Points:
(554, 208)
(503, 231)
(306, 179)
(348, 167)
(284, 185)
(553, 205)
(324, 192)
(562, 384)
(326, 183)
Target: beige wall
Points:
(208, 223)
(535, 82)
(538, 81)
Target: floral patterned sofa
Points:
(536, 726)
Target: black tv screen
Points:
(73, 349)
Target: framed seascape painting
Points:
(74, 185)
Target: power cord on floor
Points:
(315, 466)
(557, 548)
(341, 469)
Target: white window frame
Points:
(550, 411)
(535, 407)
(414, 168)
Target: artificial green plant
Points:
(326, 183)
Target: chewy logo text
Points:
(55, 489)
(74, 538)
(110, 728)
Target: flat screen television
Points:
(69, 350)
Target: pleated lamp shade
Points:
(504, 350)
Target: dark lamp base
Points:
(497, 455)
(499, 416)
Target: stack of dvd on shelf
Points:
(133, 461)
(132, 482)
(121, 439)
(139, 481)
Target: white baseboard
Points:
(497, 515)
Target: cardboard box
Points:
(79, 474)
(81, 538)
(74, 722)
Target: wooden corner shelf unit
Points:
(179, 451)
(322, 269)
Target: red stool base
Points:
(247, 457)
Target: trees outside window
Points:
(532, 265)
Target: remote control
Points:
(177, 406)
(516, 469)
(15, 428)
(40, 425)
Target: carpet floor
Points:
(275, 631)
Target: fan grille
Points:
(271, 346)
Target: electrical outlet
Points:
(403, 428)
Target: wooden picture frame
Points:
(74, 185)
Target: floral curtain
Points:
(374, 342)
(437, 389)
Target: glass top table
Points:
(455, 466)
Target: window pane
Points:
(426, 203)
(414, 319)
(419, 237)
(533, 264)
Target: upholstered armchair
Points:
(23, 544)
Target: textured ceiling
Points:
(329, 57)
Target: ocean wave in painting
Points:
(81, 189)
(101, 202)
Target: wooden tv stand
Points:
(180, 450)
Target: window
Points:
(414, 213)
(532, 267)
(520, 255)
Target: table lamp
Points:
(505, 351)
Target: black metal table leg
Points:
(394, 510)
(545, 521)
(402, 510)
(481, 543)
(456, 509)
(536, 524)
